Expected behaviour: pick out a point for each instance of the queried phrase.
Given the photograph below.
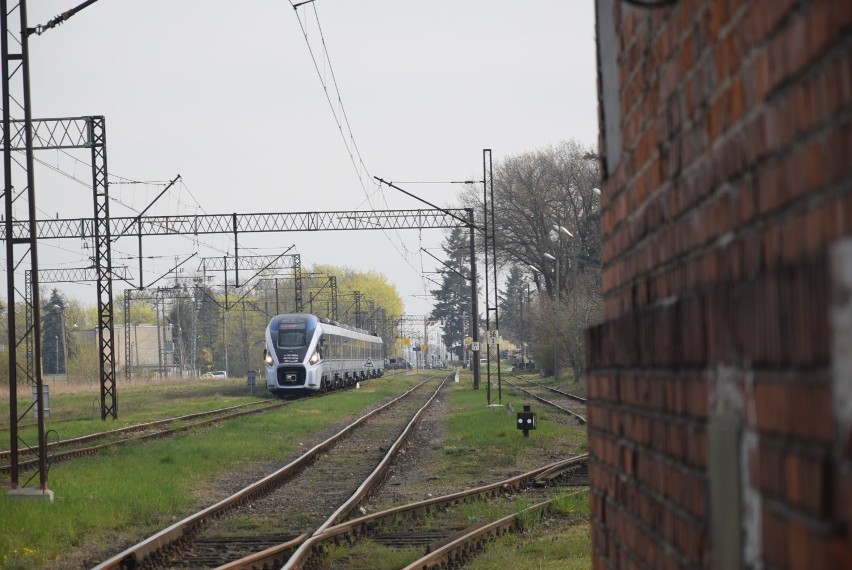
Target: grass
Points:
(561, 540)
(567, 548)
(481, 439)
(75, 410)
(369, 555)
(135, 491)
(131, 492)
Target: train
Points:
(306, 353)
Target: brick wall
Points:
(720, 382)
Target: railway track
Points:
(563, 401)
(239, 525)
(125, 436)
(404, 527)
(76, 447)
(574, 397)
(146, 426)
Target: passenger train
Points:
(306, 353)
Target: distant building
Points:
(146, 352)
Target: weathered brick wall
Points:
(720, 413)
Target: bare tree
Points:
(560, 324)
(540, 198)
(547, 220)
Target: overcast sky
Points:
(226, 94)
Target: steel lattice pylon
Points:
(88, 132)
(19, 200)
(103, 264)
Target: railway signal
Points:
(527, 420)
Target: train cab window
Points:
(291, 335)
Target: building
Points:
(720, 382)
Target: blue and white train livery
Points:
(307, 353)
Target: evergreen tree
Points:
(452, 300)
(54, 335)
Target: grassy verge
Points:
(486, 440)
(77, 412)
(135, 491)
(482, 440)
(561, 540)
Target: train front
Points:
(292, 357)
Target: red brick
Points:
(806, 483)
(774, 539)
(803, 411)
(738, 112)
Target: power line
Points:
(340, 125)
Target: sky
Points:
(227, 95)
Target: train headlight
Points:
(267, 358)
(315, 358)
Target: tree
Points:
(561, 324)
(54, 335)
(547, 219)
(536, 194)
(514, 310)
(452, 300)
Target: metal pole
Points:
(159, 342)
(64, 342)
(487, 293)
(277, 307)
(224, 318)
(474, 302)
(21, 72)
(494, 263)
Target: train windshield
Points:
(291, 335)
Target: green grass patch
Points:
(561, 540)
(141, 489)
(476, 511)
(369, 555)
(571, 503)
(566, 548)
(481, 438)
(77, 412)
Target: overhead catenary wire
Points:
(87, 184)
(342, 119)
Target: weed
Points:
(369, 555)
(575, 503)
(527, 519)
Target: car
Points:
(215, 374)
